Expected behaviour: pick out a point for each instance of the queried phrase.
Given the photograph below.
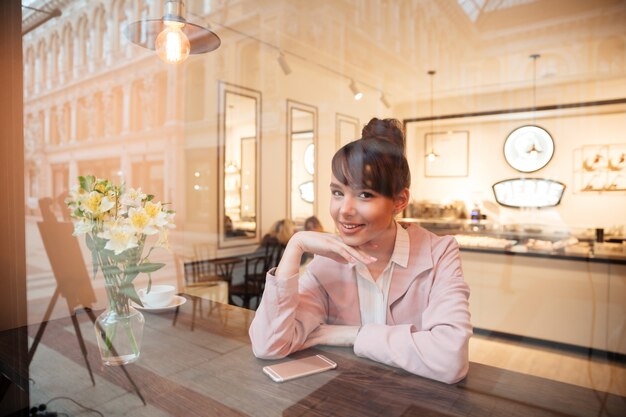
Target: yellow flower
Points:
(92, 202)
(101, 187)
(153, 209)
(141, 221)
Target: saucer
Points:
(177, 301)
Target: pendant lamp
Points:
(172, 36)
(431, 155)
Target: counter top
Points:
(617, 260)
(196, 363)
(513, 242)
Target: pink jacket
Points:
(428, 320)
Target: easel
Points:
(72, 278)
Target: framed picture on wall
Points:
(346, 129)
(446, 154)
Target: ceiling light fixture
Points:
(284, 65)
(172, 36)
(357, 94)
(383, 99)
(431, 155)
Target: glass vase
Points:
(119, 331)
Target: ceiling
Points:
(476, 46)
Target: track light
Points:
(284, 65)
(383, 99)
(357, 94)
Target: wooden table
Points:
(211, 371)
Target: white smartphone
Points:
(299, 367)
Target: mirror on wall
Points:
(301, 148)
(239, 127)
(347, 129)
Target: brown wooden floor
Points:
(577, 368)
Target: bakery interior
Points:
(515, 120)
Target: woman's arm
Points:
(291, 308)
(440, 350)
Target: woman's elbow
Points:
(455, 373)
(268, 351)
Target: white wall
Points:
(569, 129)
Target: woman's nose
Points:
(347, 206)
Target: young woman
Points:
(396, 295)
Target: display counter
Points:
(575, 297)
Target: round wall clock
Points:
(528, 148)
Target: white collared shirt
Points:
(373, 295)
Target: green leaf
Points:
(149, 267)
(111, 270)
(90, 242)
(149, 197)
(86, 182)
(129, 291)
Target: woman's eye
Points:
(365, 194)
(336, 193)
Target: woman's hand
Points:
(318, 243)
(330, 246)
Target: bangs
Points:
(372, 164)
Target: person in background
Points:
(313, 224)
(394, 295)
(281, 231)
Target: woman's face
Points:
(360, 215)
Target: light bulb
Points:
(172, 45)
(431, 156)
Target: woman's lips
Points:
(351, 228)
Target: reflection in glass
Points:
(528, 192)
(302, 124)
(239, 119)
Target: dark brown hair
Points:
(386, 129)
(375, 162)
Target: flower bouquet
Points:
(116, 224)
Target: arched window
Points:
(54, 127)
(84, 42)
(122, 16)
(98, 115)
(117, 110)
(82, 119)
(29, 70)
(41, 65)
(101, 35)
(55, 55)
(67, 52)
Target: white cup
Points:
(159, 295)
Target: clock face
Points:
(528, 148)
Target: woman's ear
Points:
(401, 201)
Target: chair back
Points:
(272, 254)
(199, 272)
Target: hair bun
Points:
(390, 130)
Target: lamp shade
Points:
(144, 33)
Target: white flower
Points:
(157, 216)
(82, 226)
(141, 221)
(132, 198)
(120, 236)
(95, 203)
